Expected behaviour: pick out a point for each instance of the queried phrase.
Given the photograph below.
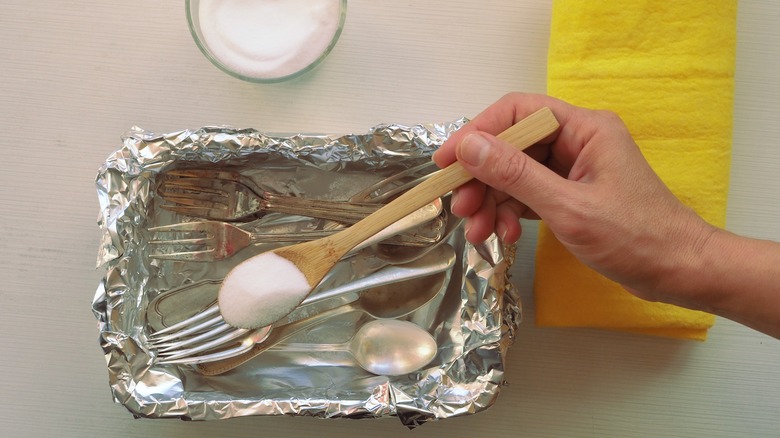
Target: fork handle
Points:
(340, 211)
(277, 335)
(403, 239)
(384, 189)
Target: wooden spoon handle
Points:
(523, 134)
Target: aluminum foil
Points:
(473, 320)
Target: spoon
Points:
(179, 314)
(387, 347)
(268, 286)
(392, 300)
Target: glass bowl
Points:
(266, 40)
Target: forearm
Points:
(737, 278)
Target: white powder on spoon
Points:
(268, 39)
(261, 290)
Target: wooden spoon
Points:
(268, 286)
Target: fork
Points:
(385, 189)
(230, 196)
(209, 317)
(208, 241)
(206, 332)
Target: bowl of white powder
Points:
(266, 40)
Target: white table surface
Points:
(74, 76)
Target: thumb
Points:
(508, 169)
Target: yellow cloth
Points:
(667, 67)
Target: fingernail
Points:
(474, 149)
(454, 200)
(501, 230)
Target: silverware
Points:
(391, 300)
(230, 196)
(391, 186)
(387, 303)
(207, 241)
(206, 330)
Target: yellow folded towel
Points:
(668, 69)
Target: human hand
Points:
(590, 184)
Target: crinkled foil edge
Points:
(487, 321)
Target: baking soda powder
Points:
(268, 39)
(265, 287)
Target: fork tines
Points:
(191, 200)
(192, 245)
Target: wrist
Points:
(735, 277)
(700, 283)
(684, 265)
(743, 280)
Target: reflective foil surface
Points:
(474, 319)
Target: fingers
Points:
(508, 216)
(519, 186)
(509, 170)
(499, 116)
(481, 224)
(468, 198)
(488, 211)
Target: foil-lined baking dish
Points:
(473, 319)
